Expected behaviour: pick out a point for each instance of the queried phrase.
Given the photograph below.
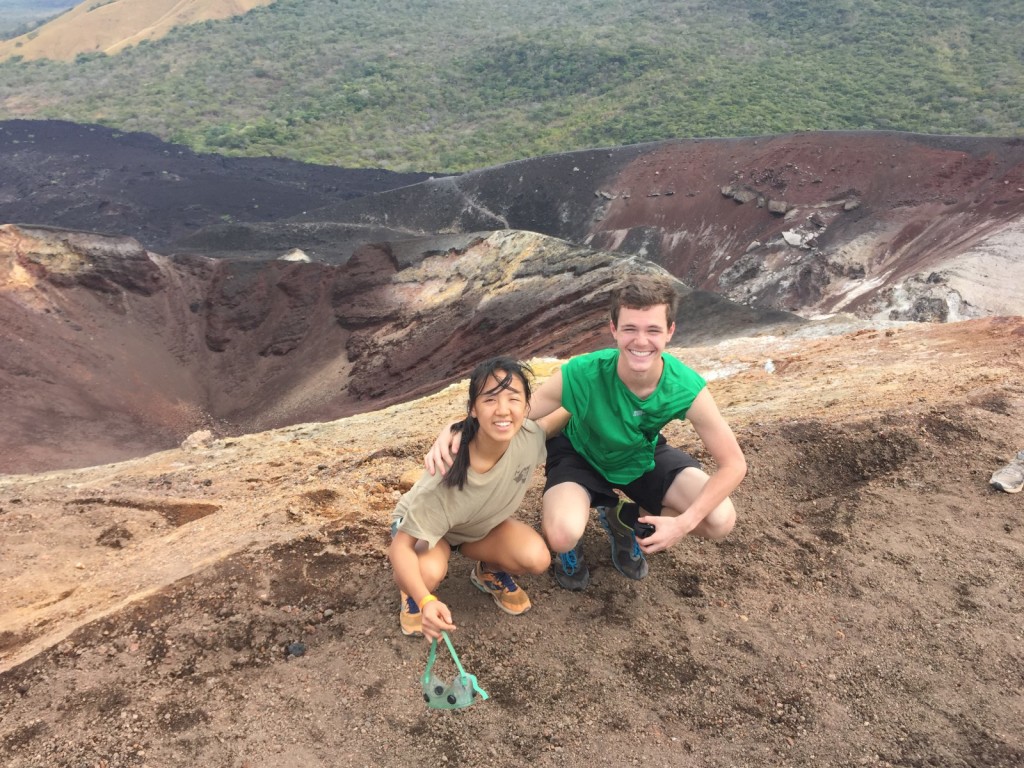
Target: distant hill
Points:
(20, 16)
(110, 26)
(421, 85)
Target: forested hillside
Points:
(449, 86)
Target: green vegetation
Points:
(450, 85)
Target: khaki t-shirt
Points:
(432, 511)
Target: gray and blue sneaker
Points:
(1011, 477)
(570, 571)
(626, 555)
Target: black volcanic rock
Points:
(92, 178)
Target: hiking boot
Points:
(410, 617)
(1011, 477)
(626, 555)
(507, 595)
(571, 572)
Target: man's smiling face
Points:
(641, 336)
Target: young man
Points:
(619, 400)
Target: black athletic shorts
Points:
(565, 465)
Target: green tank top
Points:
(610, 426)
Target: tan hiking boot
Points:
(507, 595)
(410, 617)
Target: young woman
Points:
(470, 508)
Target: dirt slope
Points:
(866, 611)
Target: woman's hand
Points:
(436, 619)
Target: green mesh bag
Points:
(460, 692)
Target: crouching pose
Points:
(620, 398)
(470, 509)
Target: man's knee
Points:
(684, 489)
(719, 524)
(561, 537)
(566, 511)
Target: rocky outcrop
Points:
(109, 350)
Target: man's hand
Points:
(442, 453)
(668, 531)
(436, 619)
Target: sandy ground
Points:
(866, 610)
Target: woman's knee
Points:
(537, 559)
(433, 568)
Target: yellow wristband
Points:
(426, 599)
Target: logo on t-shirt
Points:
(638, 413)
(522, 474)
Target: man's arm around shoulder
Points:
(547, 398)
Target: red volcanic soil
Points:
(933, 196)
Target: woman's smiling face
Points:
(499, 410)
